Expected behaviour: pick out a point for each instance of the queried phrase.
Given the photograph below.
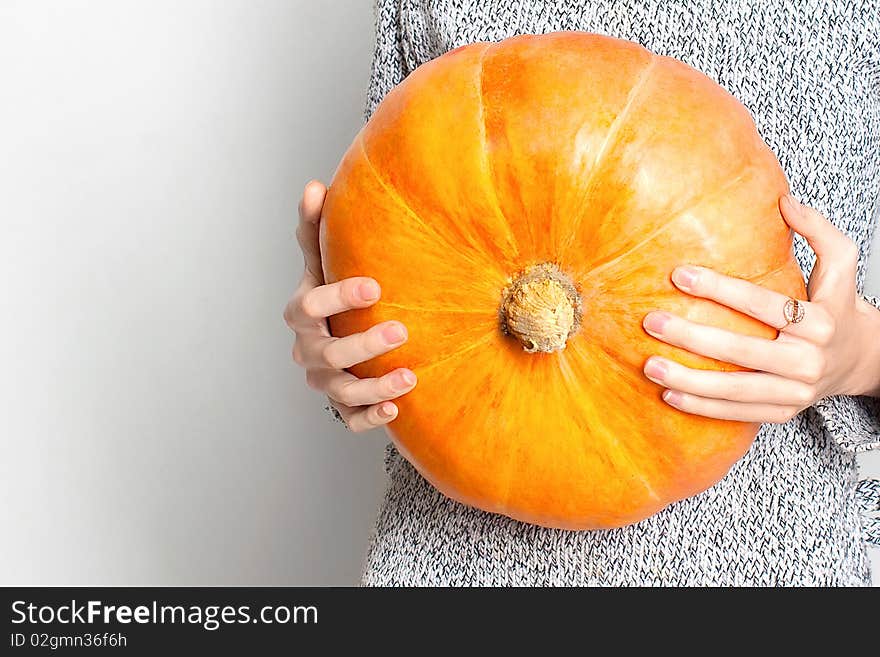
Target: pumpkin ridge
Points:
(487, 160)
(455, 354)
(455, 311)
(666, 457)
(767, 274)
(675, 215)
(515, 462)
(398, 198)
(608, 144)
(574, 381)
(569, 376)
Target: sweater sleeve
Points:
(853, 422)
(388, 64)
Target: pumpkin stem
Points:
(541, 308)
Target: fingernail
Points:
(369, 291)
(656, 369)
(408, 377)
(655, 321)
(387, 410)
(403, 381)
(685, 277)
(793, 202)
(672, 397)
(394, 334)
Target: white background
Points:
(153, 429)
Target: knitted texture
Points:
(788, 513)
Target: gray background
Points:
(153, 429)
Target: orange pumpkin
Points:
(522, 205)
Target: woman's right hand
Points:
(362, 403)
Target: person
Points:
(791, 512)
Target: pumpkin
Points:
(523, 204)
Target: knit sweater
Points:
(792, 511)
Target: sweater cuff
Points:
(853, 422)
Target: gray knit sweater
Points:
(792, 511)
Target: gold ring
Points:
(793, 311)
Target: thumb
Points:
(836, 255)
(307, 231)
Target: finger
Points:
(753, 300)
(359, 418)
(785, 358)
(307, 231)
(750, 387)
(319, 303)
(293, 314)
(837, 255)
(339, 353)
(349, 390)
(729, 410)
(822, 235)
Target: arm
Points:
(854, 421)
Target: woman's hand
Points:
(834, 349)
(362, 403)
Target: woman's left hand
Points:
(834, 350)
